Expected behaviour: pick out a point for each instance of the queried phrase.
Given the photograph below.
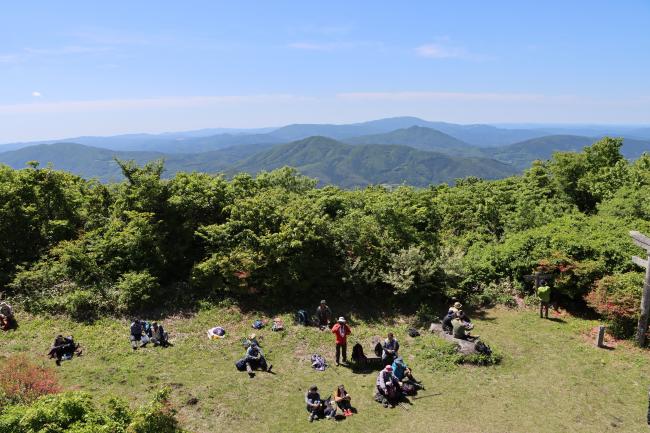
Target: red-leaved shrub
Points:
(21, 381)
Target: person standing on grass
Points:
(323, 315)
(341, 330)
(544, 295)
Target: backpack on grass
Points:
(378, 350)
(357, 354)
(303, 318)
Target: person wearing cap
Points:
(388, 387)
(314, 404)
(544, 296)
(456, 307)
(252, 340)
(341, 330)
(402, 371)
(255, 359)
(323, 315)
(390, 347)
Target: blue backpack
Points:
(258, 324)
(303, 318)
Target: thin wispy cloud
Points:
(36, 94)
(444, 48)
(35, 53)
(145, 103)
(444, 96)
(334, 46)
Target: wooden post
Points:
(537, 278)
(601, 336)
(642, 328)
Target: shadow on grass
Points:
(556, 319)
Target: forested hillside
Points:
(69, 245)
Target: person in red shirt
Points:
(341, 331)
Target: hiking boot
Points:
(386, 404)
(58, 362)
(251, 374)
(268, 370)
(311, 418)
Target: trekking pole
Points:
(425, 396)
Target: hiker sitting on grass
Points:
(138, 337)
(342, 399)
(254, 360)
(403, 373)
(316, 407)
(323, 315)
(7, 320)
(461, 328)
(63, 348)
(390, 347)
(158, 335)
(446, 321)
(389, 388)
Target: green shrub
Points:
(77, 412)
(136, 291)
(81, 305)
(617, 298)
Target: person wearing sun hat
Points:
(456, 307)
(341, 330)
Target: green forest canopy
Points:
(75, 246)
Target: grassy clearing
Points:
(551, 379)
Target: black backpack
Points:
(303, 318)
(357, 354)
(409, 389)
(378, 349)
(483, 348)
(413, 332)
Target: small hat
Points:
(399, 360)
(322, 301)
(389, 368)
(252, 336)
(458, 305)
(313, 388)
(342, 319)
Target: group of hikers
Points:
(457, 323)
(143, 333)
(394, 381)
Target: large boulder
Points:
(464, 347)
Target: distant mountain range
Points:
(389, 151)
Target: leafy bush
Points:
(23, 382)
(157, 417)
(443, 355)
(502, 292)
(136, 291)
(76, 412)
(617, 298)
(81, 305)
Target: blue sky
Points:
(97, 68)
